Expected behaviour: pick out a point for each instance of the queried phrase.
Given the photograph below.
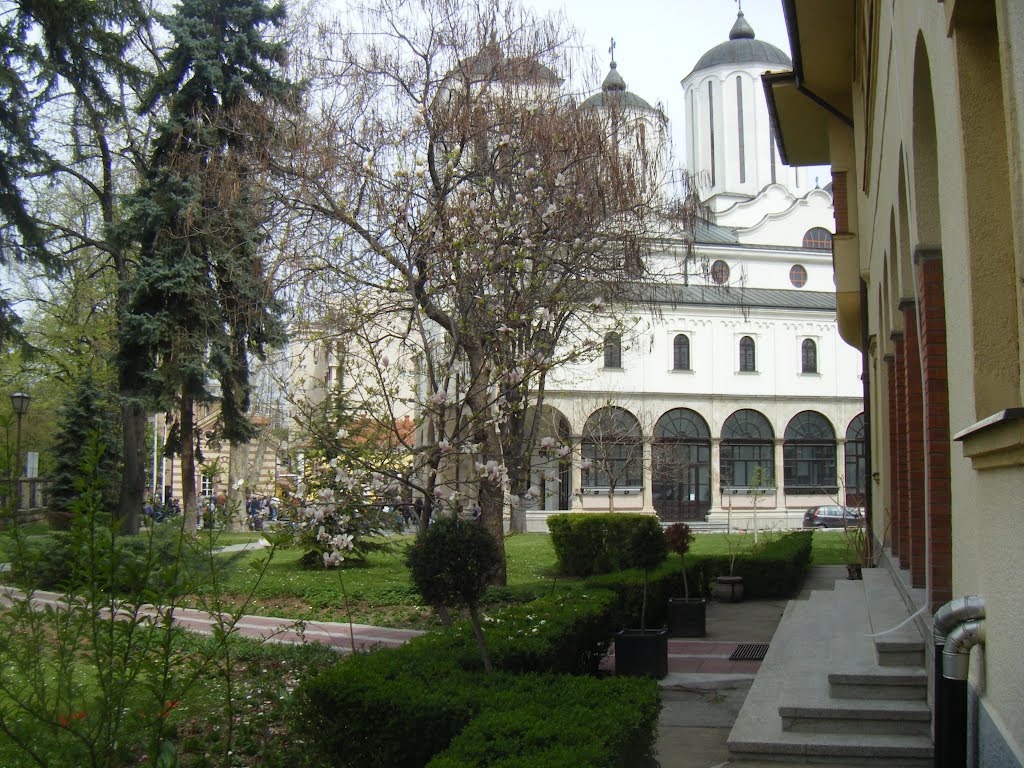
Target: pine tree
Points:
(202, 301)
(88, 410)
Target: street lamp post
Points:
(19, 402)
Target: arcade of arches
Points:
(684, 469)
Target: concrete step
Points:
(828, 715)
(898, 641)
(892, 683)
(878, 749)
(826, 642)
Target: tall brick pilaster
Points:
(900, 473)
(935, 389)
(895, 447)
(914, 451)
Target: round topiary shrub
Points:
(451, 565)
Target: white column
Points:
(716, 473)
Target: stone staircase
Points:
(828, 691)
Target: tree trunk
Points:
(491, 499)
(238, 459)
(133, 479)
(485, 655)
(188, 463)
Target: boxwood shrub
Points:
(553, 721)
(776, 570)
(565, 632)
(663, 582)
(393, 707)
(586, 543)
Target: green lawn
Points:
(380, 592)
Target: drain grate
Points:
(749, 652)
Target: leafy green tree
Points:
(49, 46)
(202, 301)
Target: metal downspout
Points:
(956, 628)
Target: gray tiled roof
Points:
(734, 296)
(709, 233)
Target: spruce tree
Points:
(87, 411)
(202, 301)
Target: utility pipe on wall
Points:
(956, 628)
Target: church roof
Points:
(742, 48)
(740, 297)
(614, 93)
(708, 233)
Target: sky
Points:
(657, 42)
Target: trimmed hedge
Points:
(567, 633)
(663, 582)
(555, 721)
(777, 570)
(402, 706)
(586, 544)
(395, 707)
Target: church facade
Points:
(731, 396)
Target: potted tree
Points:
(729, 589)
(858, 551)
(643, 651)
(686, 615)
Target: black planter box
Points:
(686, 617)
(642, 652)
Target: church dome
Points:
(614, 94)
(742, 49)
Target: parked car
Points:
(833, 516)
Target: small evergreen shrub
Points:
(556, 721)
(561, 633)
(586, 544)
(777, 570)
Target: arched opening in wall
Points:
(989, 216)
(809, 455)
(855, 474)
(551, 467)
(612, 350)
(931, 527)
(612, 448)
(681, 473)
(747, 451)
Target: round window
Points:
(798, 276)
(720, 272)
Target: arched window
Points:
(798, 275)
(856, 462)
(681, 456)
(720, 272)
(748, 361)
(612, 350)
(748, 450)
(612, 450)
(818, 239)
(809, 356)
(681, 353)
(809, 455)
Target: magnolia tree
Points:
(446, 159)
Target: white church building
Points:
(736, 400)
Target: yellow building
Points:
(918, 105)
